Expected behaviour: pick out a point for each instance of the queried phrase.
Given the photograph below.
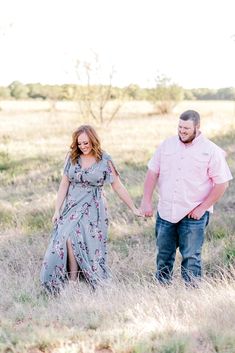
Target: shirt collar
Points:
(198, 139)
(195, 141)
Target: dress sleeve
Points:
(108, 175)
(67, 164)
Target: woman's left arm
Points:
(122, 192)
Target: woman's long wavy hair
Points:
(75, 151)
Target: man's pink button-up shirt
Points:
(186, 174)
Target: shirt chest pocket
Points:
(198, 166)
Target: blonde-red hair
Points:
(94, 140)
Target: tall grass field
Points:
(131, 313)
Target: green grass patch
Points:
(37, 221)
(223, 343)
(230, 254)
(7, 218)
(174, 346)
(4, 161)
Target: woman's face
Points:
(84, 144)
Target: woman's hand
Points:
(56, 217)
(137, 212)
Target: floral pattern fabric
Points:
(84, 221)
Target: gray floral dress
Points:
(84, 220)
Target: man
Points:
(192, 175)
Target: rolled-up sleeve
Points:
(219, 170)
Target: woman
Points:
(79, 237)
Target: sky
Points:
(190, 41)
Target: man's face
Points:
(187, 131)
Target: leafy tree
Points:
(226, 93)
(188, 95)
(37, 91)
(5, 92)
(18, 90)
(166, 94)
(204, 93)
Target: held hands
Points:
(137, 212)
(146, 209)
(56, 217)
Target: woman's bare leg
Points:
(72, 263)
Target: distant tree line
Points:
(17, 90)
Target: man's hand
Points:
(146, 209)
(149, 185)
(215, 194)
(137, 212)
(197, 212)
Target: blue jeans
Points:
(188, 234)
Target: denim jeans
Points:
(188, 236)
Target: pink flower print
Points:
(100, 235)
(85, 208)
(59, 270)
(80, 259)
(59, 250)
(87, 250)
(96, 202)
(82, 246)
(87, 274)
(54, 283)
(100, 182)
(61, 253)
(74, 216)
(78, 174)
(92, 229)
(85, 184)
(94, 269)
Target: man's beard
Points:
(191, 138)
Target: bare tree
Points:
(98, 99)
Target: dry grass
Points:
(131, 314)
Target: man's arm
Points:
(215, 194)
(149, 186)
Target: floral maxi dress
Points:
(84, 220)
